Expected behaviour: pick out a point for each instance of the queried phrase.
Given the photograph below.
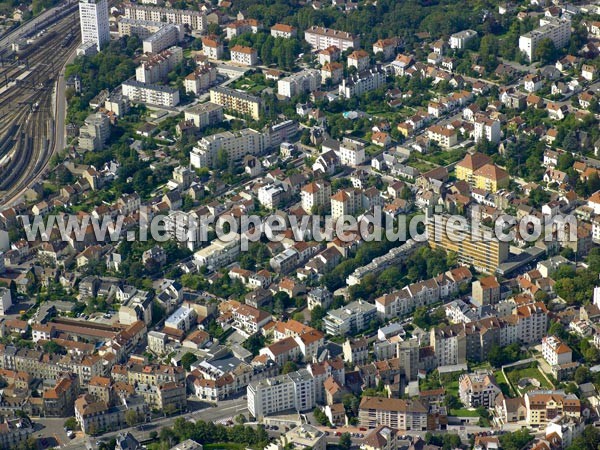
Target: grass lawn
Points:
(421, 166)
(444, 157)
(502, 383)
(528, 372)
(451, 388)
(249, 85)
(463, 413)
(485, 365)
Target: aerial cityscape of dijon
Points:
(300, 224)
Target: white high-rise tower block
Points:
(93, 15)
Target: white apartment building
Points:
(445, 137)
(293, 391)
(315, 194)
(93, 17)
(204, 114)
(212, 48)
(445, 343)
(282, 30)
(218, 253)
(140, 28)
(246, 56)
(556, 29)
(362, 82)
(237, 145)
(487, 130)
(351, 152)
(195, 20)
(95, 132)
(166, 37)
(308, 80)
(239, 102)
(459, 40)
(270, 195)
(151, 94)
(157, 66)
(320, 38)
(183, 318)
(359, 59)
(5, 300)
(567, 428)
(182, 226)
(345, 203)
(556, 352)
(478, 389)
(240, 143)
(354, 317)
(157, 342)
(239, 27)
(200, 79)
(392, 412)
(385, 46)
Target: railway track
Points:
(32, 149)
(26, 112)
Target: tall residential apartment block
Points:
(237, 145)
(157, 66)
(95, 132)
(320, 38)
(202, 78)
(165, 37)
(212, 47)
(308, 80)
(235, 101)
(240, 143)
(246, 56)
(393, 412)
(558, 30)
(194, 20)
(204, 114)
(152, 94)
(316, 194)
(365, 81)
(139, 28)
(93, 16)
(353, 317)
(475, 246)
(293, 391)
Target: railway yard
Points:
(28, 81)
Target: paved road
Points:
(226, 409)
(61, 107)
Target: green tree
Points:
(187, 360)
(345, 441)
(254, 343)
(289, 366)
(54, 348)
(320, 416)
(515, 440)
(222, 159)
(545, 52)
(589, 439)
(71, 424)
(592, 355)
(452, 401)
(131, 417)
